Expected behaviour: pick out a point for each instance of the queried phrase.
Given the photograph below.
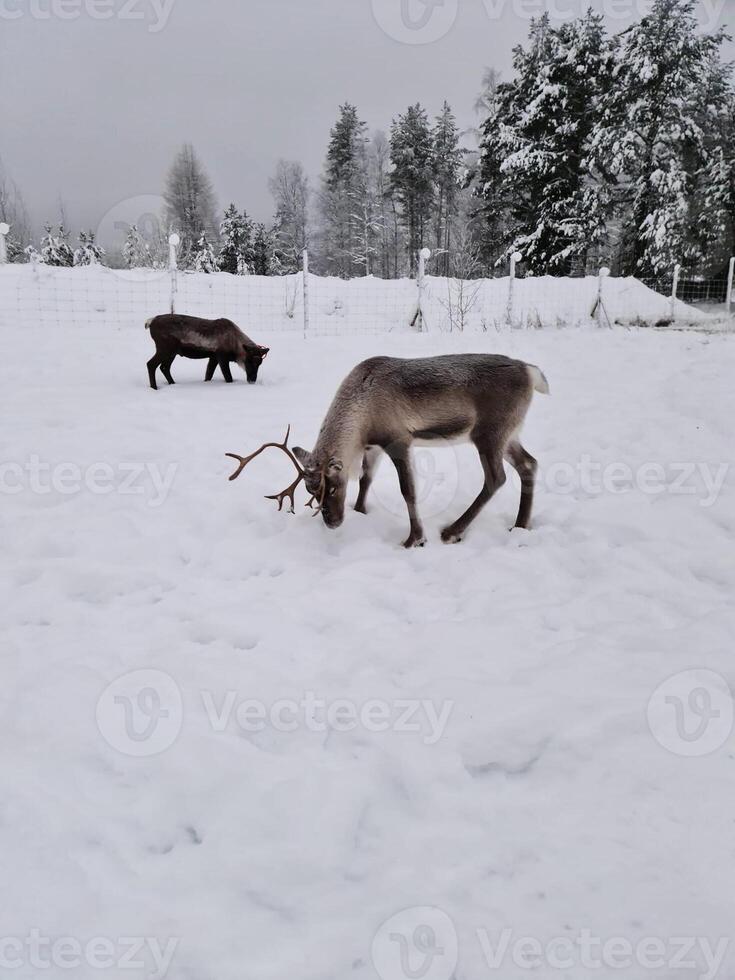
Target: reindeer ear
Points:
(264, 351)
(304, 457)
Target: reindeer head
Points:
(326, 481)
(251, 359)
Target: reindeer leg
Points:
(402, 463)
(525, 466)
(492, 465)
(369, 465)
(166, 369)
(224, 366)
(211, 368)
(154, 362)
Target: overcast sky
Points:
(92, 110)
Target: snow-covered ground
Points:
(236, 744)
(94, 295)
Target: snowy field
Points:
(235, 744)
(94, 295)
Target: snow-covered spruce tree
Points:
(136, 251)
(14, 248)
(88, 251)
(13, 212)
(55, 248)
(714, 195)
(343, 175)
(412, 177)
(265, 260)
(236, 243)
(493, 193)
(204, 258)
(447, 163)
(536, 145)
(653, 135)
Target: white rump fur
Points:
(538, 380)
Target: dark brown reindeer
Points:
(386, 404)
(220, 341)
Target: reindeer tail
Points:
(538, 379)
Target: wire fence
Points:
(38, 295)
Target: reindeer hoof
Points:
(360, 509)
(415, 541)
(450, 536)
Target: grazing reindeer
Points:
(385, 404)
(221, 341)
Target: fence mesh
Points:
(38, 295)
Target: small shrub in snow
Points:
(136, 250)
(88, 252)
(204, 257)
(55, 249)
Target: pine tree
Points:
(204, 257)
(447, 164)
(88, 252)
(652, 134)
(412, 155)
(343, 177)
(265, 261)
(13, 212)
(713, 199)
(136, 251)
(536, 150)
(14, 248)
(55, 249)
(236, 250)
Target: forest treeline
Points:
(600, 149)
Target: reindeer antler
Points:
(288, 493)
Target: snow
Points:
(43, 295)
(543, 803)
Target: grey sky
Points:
(93, 110)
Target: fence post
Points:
(674, 288)
(306, 290)
(600, 306)
(424, 256)
(173, 243)
(4, 229)
(515, 257)
(730, 271)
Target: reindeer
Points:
(220, 341)
(386, 404)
